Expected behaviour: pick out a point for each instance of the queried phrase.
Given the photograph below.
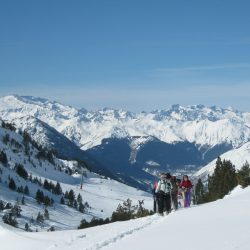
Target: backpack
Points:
(164, 186)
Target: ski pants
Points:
(174, 197)
(164, 202)
(187, 198)
(156, 202)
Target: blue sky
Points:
(137, 55)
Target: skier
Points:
(174, 193)
(186, 187)
(155, 196)
(179, 193)
(163, 191)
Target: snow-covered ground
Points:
(102, 194)
(219, 225)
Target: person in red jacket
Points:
(186, 187)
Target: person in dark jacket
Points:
(174, 193)
(186, 187)
(155, 196)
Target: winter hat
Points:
(168, 175)
(163, 176)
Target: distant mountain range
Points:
(133, 147)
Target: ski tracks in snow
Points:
(121, 235)
(97, 238)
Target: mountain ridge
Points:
(195, 123)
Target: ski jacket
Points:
(186, 184)
(164, 186)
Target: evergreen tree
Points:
(71, 197)
(3, 158)
(124, 212)
(26, 190)
(62, 201)
(222, 181)
(47, 201)
(40, 218)
(75, 204)
(81, 207)
(12, 184)
(6, 139)
(23, 200)
(46, 184)
(243, 175)
(46, 214)
(66, 195)
(39, 196)
(199, 192)
(79, 199)
(1, 205)
(10, 220)
(16, 210)
(27, 228)
(21, 171)
(58, 189)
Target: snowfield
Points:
(219, 225)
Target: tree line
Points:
(224, 179)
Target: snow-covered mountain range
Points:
(196, 124)
(133, 145)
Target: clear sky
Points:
(131, 54)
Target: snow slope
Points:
(237, 156)
(219, 225)
(102, 194)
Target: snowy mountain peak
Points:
(197, 124)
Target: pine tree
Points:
(199, 192)
(243, 175)
(12, 184)
(81, 207)
(23, 200)
(79, 199)
(39, 196)
(1, 205)
(16, 210)
(222, 181)
(26, 190)
(46, 214)
(47, 201)
(27, 228)
(71, 197)
(10, 220)
(62, 201)
(3, 158)
(21, 171)
(58, 189)
(75, 204)
(40, 218)
(124, 212)
(66, 195)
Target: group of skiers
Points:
(168, 191)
